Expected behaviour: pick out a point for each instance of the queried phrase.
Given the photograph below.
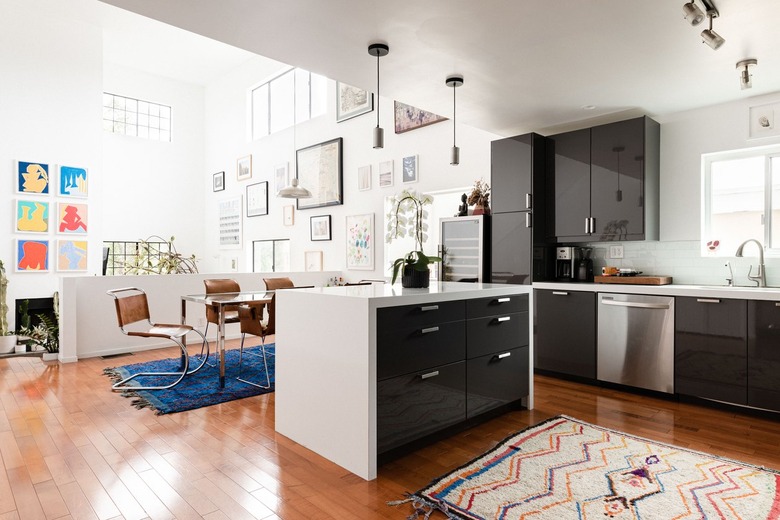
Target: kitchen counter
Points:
(326, 362)
(699, 291)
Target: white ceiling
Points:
(528, 65)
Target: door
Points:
(764, 354)
(510, 253)
(571, 180)
(510, 173)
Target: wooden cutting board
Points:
(634, 280)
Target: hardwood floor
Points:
(71, 448)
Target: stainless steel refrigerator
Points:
(464, 247)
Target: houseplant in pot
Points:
(480, 198)
(7, 336)
(406, 217)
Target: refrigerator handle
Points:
(528, 220)
(528, 201)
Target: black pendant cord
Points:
(377, 89)
(454, 115)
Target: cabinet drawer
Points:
(494, 333)
(408, 349)
(495, 380)
(498, 305)
(419, 316)
(415, 405)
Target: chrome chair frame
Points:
(134, 308)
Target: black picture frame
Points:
(219, 181)
(319, 169)
(257, 199)
(320, 228)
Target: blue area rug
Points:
(198, 389)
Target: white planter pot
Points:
(20, 347)
(7, 344)
(50, 356)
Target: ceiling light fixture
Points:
(378, 50)
(710, 37)
(693, 14)
(454, 82)
(744, 72)
(294, 191)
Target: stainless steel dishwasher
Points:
(636, 341)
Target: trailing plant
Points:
(150, 259)
(407, 217)
(4, 302)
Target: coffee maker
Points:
(566, 263)
(584, 269)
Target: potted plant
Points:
(406, 217)
(7, 336)
(480, 198)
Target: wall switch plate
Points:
(616, 251)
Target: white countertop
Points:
(700, 291)
(386, 295)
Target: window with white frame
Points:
(741, 200)
(270, 256)
(292, 97)
(135, 117)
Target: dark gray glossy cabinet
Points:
(511, 255)
(565, 332)
(763, 360)
(517, 173)
(440, 364)
(604, 182)
(710, 359)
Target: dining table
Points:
(222, 301)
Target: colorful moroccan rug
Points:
(198, 389)
(568, 469)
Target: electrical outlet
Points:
(616, 251)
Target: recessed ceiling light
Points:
(589, 107)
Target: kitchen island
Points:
(358, 368)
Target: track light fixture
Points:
(378, 50)
(693, 14)
(744, 72)
(710, 37)
(454, 82)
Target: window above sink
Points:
(741, 200)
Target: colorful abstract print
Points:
(567, 469)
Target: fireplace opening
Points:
(35, 307)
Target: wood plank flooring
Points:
(72, 449)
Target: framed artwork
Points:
(32, 216)
(219, 181)
(762, 121)
(281, 177)
(32, 178)
(352, 101)
(71, 255)
(257, 199)
(319, 228)
(319, 170)
(408, 118)
(73, 181)
(72, 218)
(244, 168)
(32, 256)
(409, 169)
(288, 215)
(360, 242)
(364, 178)
(312, 261)
(230, 223)
(385, 174)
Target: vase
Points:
(7, 344)
(412, 278)
(481, 210)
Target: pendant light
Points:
(454, 82)
(378, 50)
(294, 191)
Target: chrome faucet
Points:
(730, 278)
(760, 277)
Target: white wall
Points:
(226, 138)
(153, 187)
(51, 59)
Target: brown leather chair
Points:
(252, 323)
(132, 307)
(219, 286)
(272, 284)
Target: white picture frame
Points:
(364, 178)
(762, 121)
(409, 167)
(244, 168)
(281, 177)
(312, 261)
(230, 223)
(386, 174)
(360, 242)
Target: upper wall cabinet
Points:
(603, 182)
(517, 173)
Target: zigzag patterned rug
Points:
(564, 468)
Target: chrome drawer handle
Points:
(707, 300)
(504, 355)
(430, 374)
(503, 318)
(560, 293)
(777, 304)
(429, 308)
(429, 329)
(503, 300)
